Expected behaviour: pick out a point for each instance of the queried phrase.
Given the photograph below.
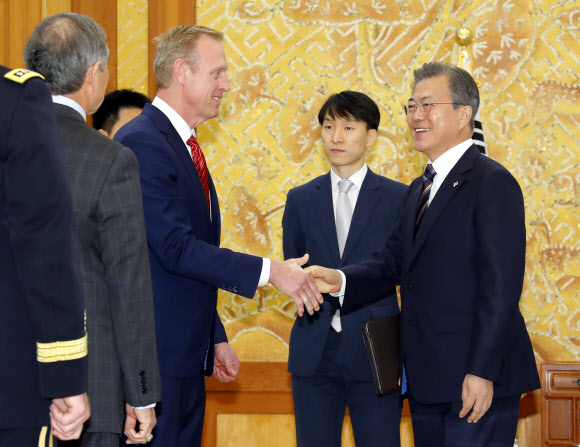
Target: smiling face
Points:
(204, 88)
(443, 127)
(345, 141)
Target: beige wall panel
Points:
(4, 32)
(132, 46)
(52, 7)
(104, 12)
(17, 20)
(164, 15)
(266, 430)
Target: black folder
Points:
(382, 339)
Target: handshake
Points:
(304, 286)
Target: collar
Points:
(357, 178)
(445, 162)
(66, 101)
(176, 120)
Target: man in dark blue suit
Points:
(328, 362)
(43, 342)
(458, 253)
(183, 223)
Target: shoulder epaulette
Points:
(22, 75)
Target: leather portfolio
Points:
(381, 338)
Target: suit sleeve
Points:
(501, 241)
(124, 250)
(171, 233)
(368, 280)
(293, 237)
(38, 210)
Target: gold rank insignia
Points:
(22, 75)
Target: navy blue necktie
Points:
(425, 193)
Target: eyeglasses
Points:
(411, 108)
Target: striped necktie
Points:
(199, 162)
(424, 199)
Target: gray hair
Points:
(178, 43)
(63, 47)
(462, 86)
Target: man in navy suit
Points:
(458, 253)
(43, 342)
(183, 223)
(328, 362)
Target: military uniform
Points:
(43, 342)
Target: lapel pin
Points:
(455, 184)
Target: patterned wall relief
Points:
(286, 56)
(132, 69)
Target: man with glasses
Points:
(458, 254)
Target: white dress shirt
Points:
(357, 179)
(444, 164)
(185, 132)
(66, 101)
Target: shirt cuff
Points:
(340, 293)
(145, 407)
(265, 275)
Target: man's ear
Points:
(104, 133)
(372, 136)
(91, 76)
(466, 113)
(180, 70)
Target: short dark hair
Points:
(349, 104)
(108, 113)
(462, 87)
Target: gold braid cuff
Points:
(61, 350)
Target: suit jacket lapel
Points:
(409, 216)
(177, 145)
(452, 183)
(364, 209)
(324, 212)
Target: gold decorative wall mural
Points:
(132, 71)
(286, 56)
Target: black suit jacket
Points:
(109, 223)
(461, 279)
(41, 305)
(309, 227)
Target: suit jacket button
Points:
(409, 285)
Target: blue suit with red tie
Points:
(187, 268)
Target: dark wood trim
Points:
(104, 12)
(164, 15)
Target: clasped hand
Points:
(289, 278)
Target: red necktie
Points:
(199, 161)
